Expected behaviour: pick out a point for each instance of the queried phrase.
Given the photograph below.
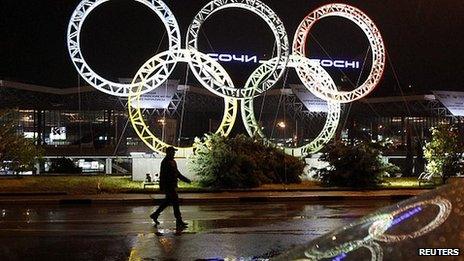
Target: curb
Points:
(52, 193)
(199, 201)
(212, 191)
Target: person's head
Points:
(170, 152)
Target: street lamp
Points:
(281, 125)
(162, 121)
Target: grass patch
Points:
(409, 182)
(87, 185)
(303, 185)
(70, 184)
(109, 184)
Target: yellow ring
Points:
(158, 62)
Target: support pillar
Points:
(108, 166)
(37, 169)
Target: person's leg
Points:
(175, 205)
(160, 209)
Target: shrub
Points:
(359, 165)
(444, 152)
(242, 162)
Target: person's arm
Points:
(180, 176)
(183, 178)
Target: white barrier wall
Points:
(313, 162)
(143, 165)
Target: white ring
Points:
(258, 85)
(117, 89)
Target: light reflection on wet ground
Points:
(415, 229)
(123, 232)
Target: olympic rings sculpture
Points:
(380, 225)
(215, 78)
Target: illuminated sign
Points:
(453, 101)
(30, 135)
(57, 133)
(310, 101)
(245, 58)
(159, 98)
(242, 58)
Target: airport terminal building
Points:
(93, 129)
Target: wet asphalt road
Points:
(219, 231)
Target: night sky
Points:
(424, 39)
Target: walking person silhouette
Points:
(168, 185)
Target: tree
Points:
(16, 152)
(444, 152)
(242, 162)
(356, 165)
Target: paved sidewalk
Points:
(226, 197)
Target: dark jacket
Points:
(169, 175)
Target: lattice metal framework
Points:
(333, 116)
(373, 35)
(209, 68)
(90, 76)
(274, 70)
(214, 77)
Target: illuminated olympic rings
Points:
(379, 227)
(213, 77)
(117, 89)
(373, 35)
(314, 75)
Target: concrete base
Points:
(143, 165)
(313, 164)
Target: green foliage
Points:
(359, 165)
(64, 166)
(444, 152)
(242, 162)
(16, 152)
(85, 185)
